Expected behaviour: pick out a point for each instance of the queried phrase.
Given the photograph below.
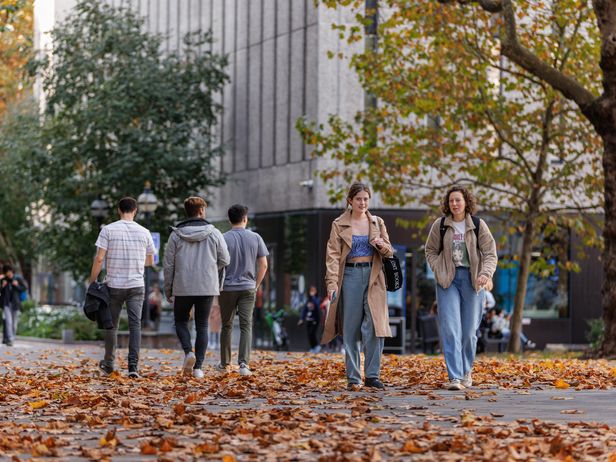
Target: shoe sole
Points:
(189, 362)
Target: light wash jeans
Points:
(11, 316)
(459, 315)
(357, 325)
(134, 306)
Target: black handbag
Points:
(391, 268)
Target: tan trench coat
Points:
(338, 247)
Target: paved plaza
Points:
(295, 407)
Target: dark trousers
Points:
(181, 314)
(312, 328)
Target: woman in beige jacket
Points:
(463, 261)
(355, 282)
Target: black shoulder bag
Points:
(391, 268)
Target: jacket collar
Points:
(467, 219)
(347, 230)
(193, 222)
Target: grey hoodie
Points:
(195, 255)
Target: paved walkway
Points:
(411, 404)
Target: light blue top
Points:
(361, 247)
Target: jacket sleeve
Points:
(332, 258)
(487, 246)
(223, 258)
(386, 250)
(169, 266)
(433, 244)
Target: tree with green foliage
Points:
(452, 110)
(119, 112)
(20, 147)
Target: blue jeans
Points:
(357, 325)
(11, 316)
(459, 315)
(134, 306)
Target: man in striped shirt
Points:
(126, 247)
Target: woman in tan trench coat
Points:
(356, 287)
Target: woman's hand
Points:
(332, 294)
(378, 242)
(482, 281)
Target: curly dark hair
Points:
(469, 199)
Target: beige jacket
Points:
(338, 247)
(482, 262)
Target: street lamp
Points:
(99, 209)
(147, 205)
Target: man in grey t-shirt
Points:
(243, 275)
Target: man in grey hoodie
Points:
(195, 255)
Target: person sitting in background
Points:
(499, 328)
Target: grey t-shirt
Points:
(245, 247)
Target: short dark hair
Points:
(469, 199)
(193, 206)
(127, 204)
(6, 268)
(237, 213)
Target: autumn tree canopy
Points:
(453, 110)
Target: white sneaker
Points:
(189, 362)
(530, 345)
(244, 370)
(454, 384)
(467, 381)
(197, 373)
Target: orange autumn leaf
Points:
(148, 449)
(38, 404)
(166, 446)
(411, 447)
(561, 384)
(229, 458)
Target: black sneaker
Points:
(373, 382)
(133, 373)
(105, 368)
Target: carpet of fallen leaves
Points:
(294, 408)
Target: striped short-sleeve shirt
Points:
(127, 243)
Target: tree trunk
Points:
(609, 253)
(520, 293)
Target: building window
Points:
(547, 297)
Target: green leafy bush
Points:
(48, 322)
(595, 333)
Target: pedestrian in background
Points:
(214, 326)
(356, 283)
(311, 316)
(195, 256)
(463, 260)
(127, 248)
(243, 276)
(11, 288)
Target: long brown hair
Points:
(469, 199)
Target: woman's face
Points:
(360, 201)
(457, 205)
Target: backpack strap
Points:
(443, 230)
